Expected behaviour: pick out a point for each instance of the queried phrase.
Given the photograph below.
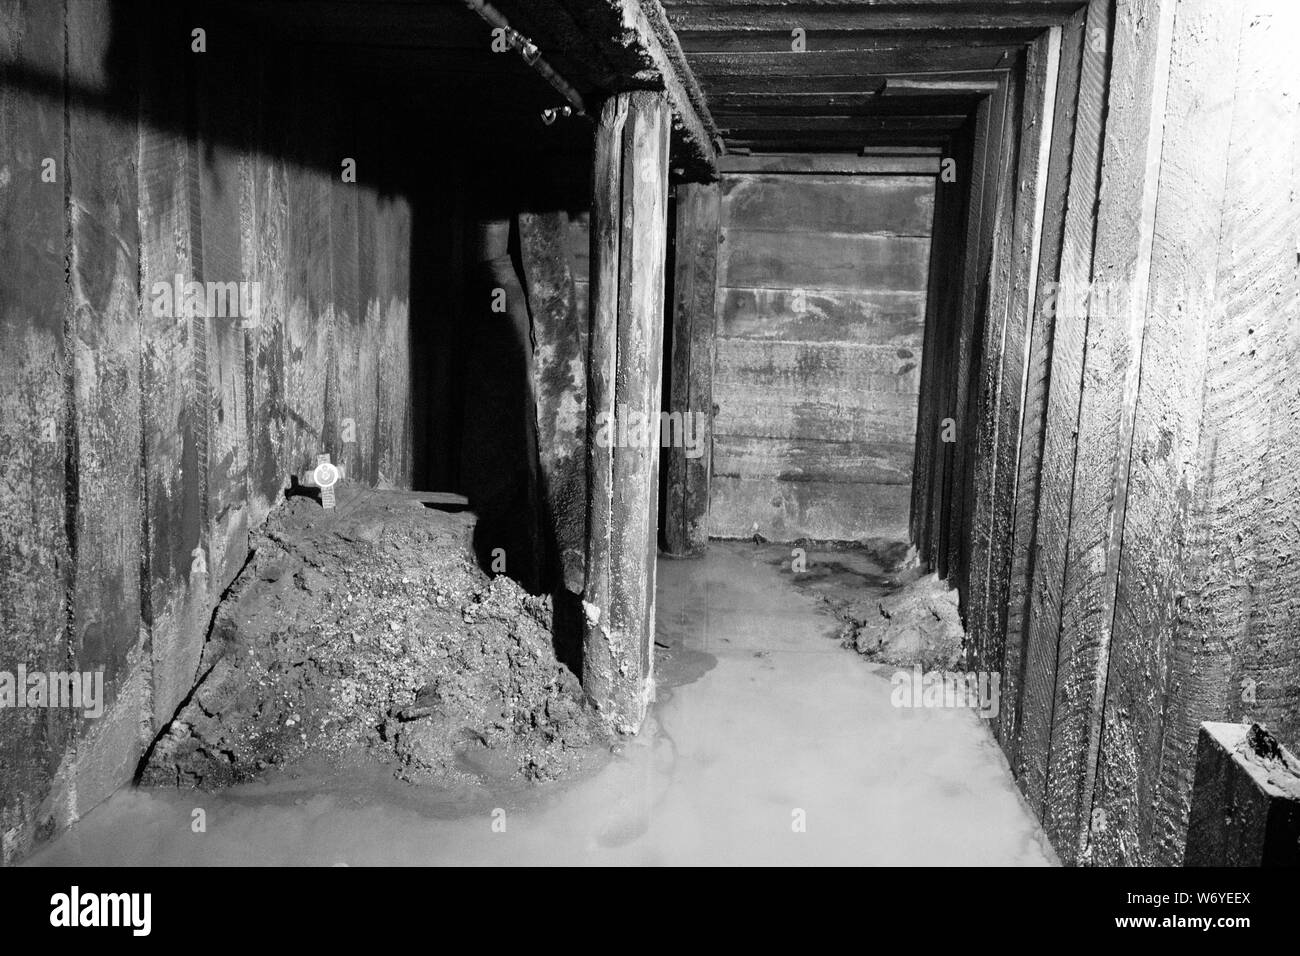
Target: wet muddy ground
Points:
(769, 743)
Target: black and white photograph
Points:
(651, 433)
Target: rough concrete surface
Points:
(369, 632)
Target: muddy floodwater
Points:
(769, 744)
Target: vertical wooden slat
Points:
(1037, 383)
(1038, 696)
(1125, 232)
(103, 337)
(34, 424)
(694, 294)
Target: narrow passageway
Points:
(763, 722)
(649, 432)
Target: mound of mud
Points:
(917, 624)
(368, 631)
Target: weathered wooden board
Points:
(941, 323)
(629, 223)
(822, 261)
(868, 317)
(991, 126)
(104, 462)
(1061, 419)
(861, 205)
(559, 374)
(1145, 826)
(759, 412)
(219, 165)
(1037, 123)
(845, 373)
(1037, 381)
(822, 511)
(695, 289)
(309, 314)
(897, 164)
(885, 463)
(1125, 231)
(35, 436)
(177, 596)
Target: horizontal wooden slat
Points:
(782, 260)
(789, 510)
(869, 318)
(886, 463)
(832, 370)
(883, 205)
(832, 164)
(758, 412)
(899, 59)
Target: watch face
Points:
(325, 474)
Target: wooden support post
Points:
(1246, 800)
(695, 291)
(628, 247)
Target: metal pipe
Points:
(529, 52)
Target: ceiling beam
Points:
(635, 38)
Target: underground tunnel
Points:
(643, 432)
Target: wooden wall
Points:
(820, 309)
(139, 448)
(1119, 508)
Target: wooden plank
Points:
(1125, 231)
(1037, 382)
(775, 260)
(559, 375)
(903, 58)
(217, 174)
(1037, 125)
(36, 434)
(821, 511)
(103, 328)
(927, 466)
(778, 40)
(308, 315)
(1144, 825)
(989, 136)
(757, 16)
(875, 205)
(866, 317)
(176, 598)
(760, 411)
(945, 317)
(842, 165)
(990, 345)
(691, 379)
(832, 371)
(1037, 704)
(880, 463)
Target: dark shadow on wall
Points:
(441, 129)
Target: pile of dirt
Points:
(917, 624)
(368, 631)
